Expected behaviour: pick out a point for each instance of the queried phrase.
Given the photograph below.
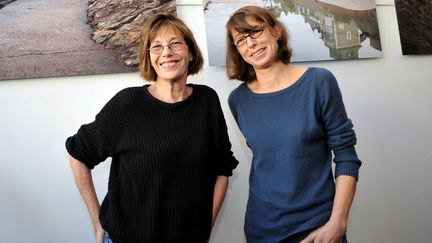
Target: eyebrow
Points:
(240, 34)
(169, 41)
(252, 28)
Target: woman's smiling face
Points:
(171, 64)
(261, 51)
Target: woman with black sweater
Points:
(171, 156)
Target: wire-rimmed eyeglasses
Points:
(173, 46)
(253, 34)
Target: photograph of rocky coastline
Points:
(319, 29)
(415, 26)
(51, 38)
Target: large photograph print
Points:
(46, 38)
(415, 26)
(319, 29)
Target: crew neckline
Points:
(156, 100)
(281, 91)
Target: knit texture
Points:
(292, 133)
(165, 159)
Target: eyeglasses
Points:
(173, 46)
(253, 34)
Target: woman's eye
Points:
(240, 40)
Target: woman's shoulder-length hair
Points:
(166, 21)
(237, 68)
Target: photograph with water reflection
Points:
(319, 29)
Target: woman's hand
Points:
(99, 233)
(332, 232)
(335, 228)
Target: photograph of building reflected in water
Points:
(319, 29)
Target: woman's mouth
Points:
(168, 64)
(258, 52)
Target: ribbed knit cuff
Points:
(71, 149)
(347, 168)
(347, 162)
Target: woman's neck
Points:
(276, 77)
(170, 92)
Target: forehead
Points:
(166, 33)
(249, 23)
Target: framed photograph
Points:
(415, 26)
(46, 38)
(319, 29)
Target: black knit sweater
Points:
(165, 159)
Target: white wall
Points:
(387, 99)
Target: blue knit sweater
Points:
(292, 133)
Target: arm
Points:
(225, 164)
(220, 189)
(84, 181)
(219, 195)
(341, 139)
(335, 228)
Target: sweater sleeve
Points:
(226, 161)
(232, 106)
(93, 143)
(341, 137)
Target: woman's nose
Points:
(250, 42)
(166, 51)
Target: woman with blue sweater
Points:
(293, 118)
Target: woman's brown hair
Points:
(166, 21)
(237, 68)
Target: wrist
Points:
(97, 226)
(339, 221)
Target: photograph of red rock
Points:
(415, 26)
(320, 30)
(52, 38)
